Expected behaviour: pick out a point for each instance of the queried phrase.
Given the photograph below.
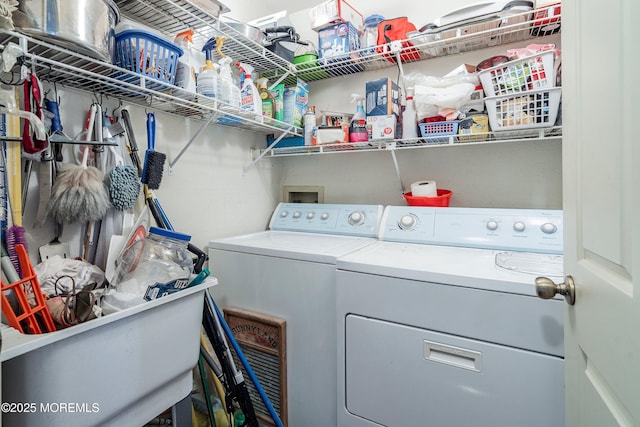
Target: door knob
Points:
(546, 289)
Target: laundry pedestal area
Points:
(439, 323)
(289, 272)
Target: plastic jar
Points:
(369, 38)
(157, 265)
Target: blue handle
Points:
(151, 131)
(53, 108)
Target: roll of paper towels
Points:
(424, 189)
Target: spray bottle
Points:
(310, 126)
(228, 91)
(409, 119)
(187, 63)
(358, 126)
(208, 77)
(249, 98)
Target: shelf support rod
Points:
(193, 138)
(392, 148)
(269, 148)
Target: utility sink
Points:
(122, 369)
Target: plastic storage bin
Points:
(146, 54)
(432, 130)
(521, 75)
(509, 115)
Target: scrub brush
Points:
(153, 160)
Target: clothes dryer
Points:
(439, 323)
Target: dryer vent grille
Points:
(262, 339)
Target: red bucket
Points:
(441, 200)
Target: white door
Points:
(601, 173)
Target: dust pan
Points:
(55, 246)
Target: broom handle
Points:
(151, 131)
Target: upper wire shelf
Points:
(56, 64)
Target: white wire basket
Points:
(521, 75)
(509, 115)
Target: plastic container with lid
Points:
(369, 38)
(158, 265)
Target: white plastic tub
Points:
(118, 370)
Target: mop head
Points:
(78, 195)
(124, 187)
(153, 168)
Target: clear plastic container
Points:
(369, 38)
(157, 265)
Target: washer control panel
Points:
(530, 230)
(352, 220)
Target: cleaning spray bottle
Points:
(187, 64)
(228, 91)
(358, 126)
(207, 83)
(249, 98)
(409, 119)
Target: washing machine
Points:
(289, 272)
(439, 324)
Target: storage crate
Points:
(526, 111)
(146, 54)
(438, 132)
(521, 75)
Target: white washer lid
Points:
(312, 247)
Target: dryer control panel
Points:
(530, 230)
(350, 220)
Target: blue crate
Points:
(435, 129)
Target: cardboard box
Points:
(338, 41)
(295, 100)
(333, 12)
(382, 97)
(383, 127)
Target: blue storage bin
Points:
(146, 54)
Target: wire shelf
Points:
(547, 134)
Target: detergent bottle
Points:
(207, 83)
(267, 99)
(249, 98)
(409, 119)
(228, 91)
(358, 125)
(187, 64)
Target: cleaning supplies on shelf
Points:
(228, 91)
(249, 99)
(207, 83)
(310, 126)
(358, 126)
(187, 64)
(409, 118)
(268, 102)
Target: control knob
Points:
(548, 228)
(310, 215)
(284, 214)
(356, 218)
(408, 222)
(297, 214)
(492, 225)
(324, 216)
(519, 226)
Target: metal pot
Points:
(86, 27)
(248, 31)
